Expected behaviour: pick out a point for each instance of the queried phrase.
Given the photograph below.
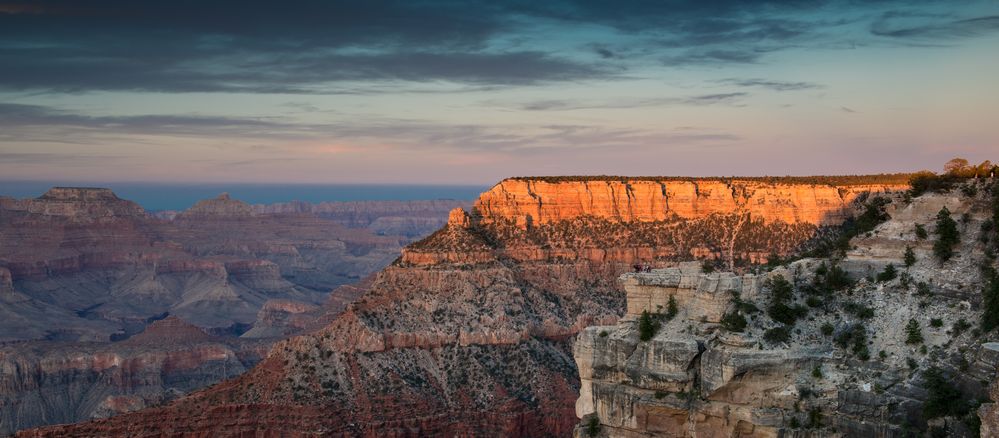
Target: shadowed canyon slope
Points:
(469, 332)
(81, 270)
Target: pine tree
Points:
(990, 316)
(947, 235)
(647, 326)
(910, 257)
(888, 274)
(671, 309)
(913, 334)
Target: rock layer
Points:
(80, 268)
(526, 201)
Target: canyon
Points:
(85, 276)
(470, 331)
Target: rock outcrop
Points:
(469, 332)
(706, 297)
(814, 354)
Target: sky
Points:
(470, 92)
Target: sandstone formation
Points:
(848, 367)
(469, 332)
(81, 268)
(526, 201)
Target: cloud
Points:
(711, 99)
(568, 105)
(26, 123)
(255, 46)
(922, 26)
(772, 84)
(19, 122)
(34, 158)
(712, 57)
(261, 47)
(309, 73)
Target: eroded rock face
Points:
(469, 333)
(81, 268)
(847, 367)
(525, 201)
(706, 296)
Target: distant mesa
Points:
(221, 205)
(86, 194)
(78, 204)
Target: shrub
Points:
(910, 257)
(827, 329)
(780, 310)
(837, 278)
(888, 274)
(648, 325)
(921, 232)
(969, 190)
(708, 267)
(733, 321)
(936, 323)
(778, 334)
(856, 339)
(814, 419)
(781, 289)
(813, 301)
(923, 289)
(817, 372)
(990, 294)
(960, 326)
(913, 334)
(859, 310)
(786, 314)
(593, 426)
(603, 333)
(671, 309)
(943, 398)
